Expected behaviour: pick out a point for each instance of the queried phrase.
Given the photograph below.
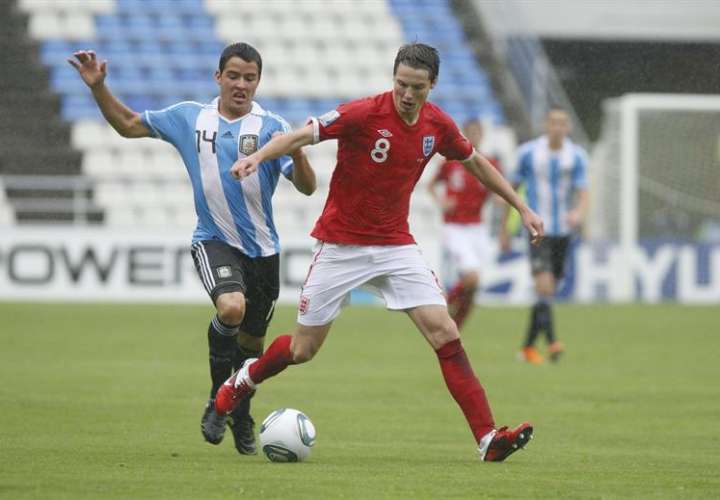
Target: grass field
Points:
(104, 402)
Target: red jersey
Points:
(468, 193)
(380, 159)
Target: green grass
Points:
(104, 401)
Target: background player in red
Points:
(466, 239)
(384, 143)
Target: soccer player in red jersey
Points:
(466, 239)
(384, 143)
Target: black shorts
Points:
(549, 256)
(224, 269)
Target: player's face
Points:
(474, 133)
(557, 125)
(410, 90)
(238, 83)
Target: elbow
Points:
(308, 189)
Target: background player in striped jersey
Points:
(553, 170)
(235, 245)
(384, 143)
(466, 238)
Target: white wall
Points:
(676, 20)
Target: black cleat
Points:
(243, 431)
(212, 425)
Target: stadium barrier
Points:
(133, 265)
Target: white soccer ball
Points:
(287, 435)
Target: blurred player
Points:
(466, 238)
(235, 245)
(384, 143)
(553, 170)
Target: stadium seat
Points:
(159, 56)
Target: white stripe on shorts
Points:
(204, 266)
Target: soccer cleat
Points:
(555, 350)
(530, 355)
(243, 431)
(212, 425)
(499, 444)
(235, 389)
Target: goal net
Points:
(656, 170)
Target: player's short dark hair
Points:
(244, 51)
(419, 56)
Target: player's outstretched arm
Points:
(279, 145)
(120, 117)
(481, 168)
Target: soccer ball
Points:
(287, 435)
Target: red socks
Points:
(465, 388)
(276, 358)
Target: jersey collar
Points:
(256, 109)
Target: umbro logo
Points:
(228, 134)
(385, 132)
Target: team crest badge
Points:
(428, 144)
(248, 144)
(329, 117)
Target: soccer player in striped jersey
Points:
(384, 143)
(466, 238)
(235, 245)
(553, 170)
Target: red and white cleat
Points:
(499, 444)
(234, 390)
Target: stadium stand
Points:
(316, 55)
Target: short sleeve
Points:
(340, 122)
(284, 163)
(579, 172)
(454, 145)
(169, 124)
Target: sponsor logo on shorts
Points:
(224, 272)
(304, 304)
(248, 144)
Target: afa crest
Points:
(248, 144)
(428, 144)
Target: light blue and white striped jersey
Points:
(551, 179)
(236, 212)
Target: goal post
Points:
(655, 175)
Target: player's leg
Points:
(334, 272)
(560, 248)
(541, 268)
(460, 245)
(221, 273)
(408, 284)
(263, 287)
(439, 330)
(461, 302)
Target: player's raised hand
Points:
(534, 224)
(92, 71)
(244, 167)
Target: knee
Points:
(443, 333)
(471, 281)
(231, 308)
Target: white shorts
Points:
(396, 273)
(467, 246)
